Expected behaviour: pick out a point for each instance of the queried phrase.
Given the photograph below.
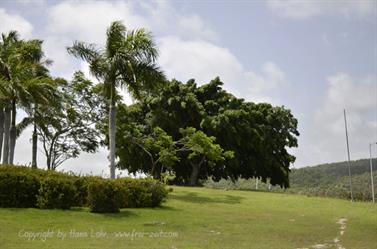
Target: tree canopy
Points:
(187, 130)
(255, 136)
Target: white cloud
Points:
(204, 61)
(88, 20)
(324, 140)
(15, 22)
(351, 93)
(167, 21)
(297, 9)
(34, 2)
(193, 24)
(63, 64)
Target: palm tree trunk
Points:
(7, 120)
(1, 130)
(35, 146)
(112, 118)
(12, 133)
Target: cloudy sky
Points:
(314, 57)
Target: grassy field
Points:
(200, 218)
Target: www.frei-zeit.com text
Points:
(74, 234)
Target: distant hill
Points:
(332, 179)
(329, 172)
(329, 180)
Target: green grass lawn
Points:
(199, 218)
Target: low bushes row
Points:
(25, 187)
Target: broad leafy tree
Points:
(69, 128)
(257, 134)
(202, 150)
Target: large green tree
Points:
(128, 59)
(258, 134)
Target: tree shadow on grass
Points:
(166, 208)
(123, 213)
(195, 198)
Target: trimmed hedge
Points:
(27, 187)
(56, 192)
(143, 192)
(105, 196)
(110, 195)
(18, 189)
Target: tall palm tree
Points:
(39, 88)
(27, 69)
(8, 46)
(23, 65)
(128, 59)
(41, 92)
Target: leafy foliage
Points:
(18, 189)
(105, 196)
(70, 128)
(28, 187)
(56, 192)
(251, 139)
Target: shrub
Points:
(18, 189)
(142, 192)
(56, 192)
(105, 196)
(27, 187)
(81, 184)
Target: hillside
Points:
(328, 180)
(332, 180)
(327, 174)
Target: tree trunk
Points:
(35, 146)
(48, 162)
(195, 171)
(7, 120)
(12, 133)
(194, 174)
(1, 130)
(112, 128)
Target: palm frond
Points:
(85, 51)
(20, 127)
(115, 37)
(140, 45)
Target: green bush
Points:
(18, 189)
(81, 184)
(105, 196)
(142, 193)
(56, 192)
(27, 187)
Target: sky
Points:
(316, 58)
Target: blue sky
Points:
(314, 57)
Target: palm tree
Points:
(41, 92)
(39, 88)
(23, 68)
(28, 70)
(8, 46)
(128, 59)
